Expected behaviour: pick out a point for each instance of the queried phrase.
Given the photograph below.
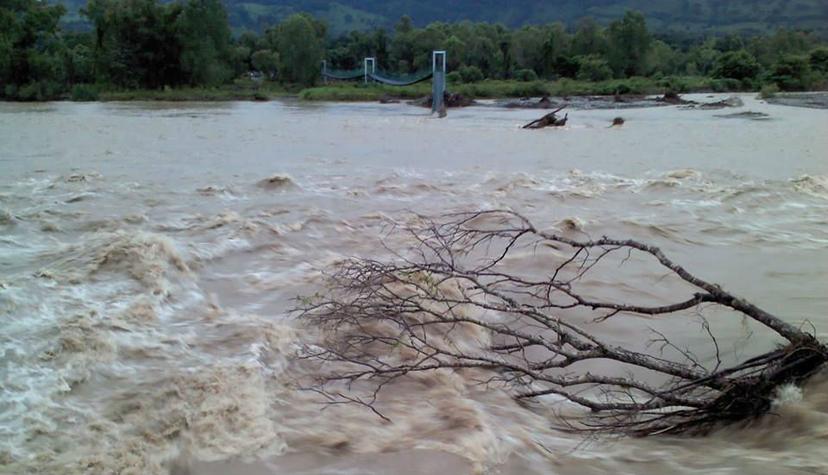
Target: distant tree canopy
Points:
(629, 44)
(153, 44)
(299, 40)
(33, 56)
(144, 43)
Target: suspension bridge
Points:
(369, 74)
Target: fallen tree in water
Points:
(453, 302)
(549, 120)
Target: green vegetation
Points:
(232, 92)
(492, 88)
(359, 92)
(769, 91)
(299, 41)
(713, 17)
(184, 50)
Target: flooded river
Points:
(150, 255)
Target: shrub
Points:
(819, 59)
(622, 88)
(10, 91)
(454, 77)
(593, 68)
(792, 73)
(768, 91)
(726, 85)
(736, 65)
(84, 92)
(526, 75)
(566, 66)
(38, 91)
(673, 84)
(471, 74)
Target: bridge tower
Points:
(369, 65)
(438, 85)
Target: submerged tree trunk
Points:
(548, 120)
(388, 320)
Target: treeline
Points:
(147, 44)
(591, 52)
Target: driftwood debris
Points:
(672, 98)
(456, 302)
(388, 99)
(549, 120)
(526, 103)
(732, 101)
(750, 115)
(450, 99)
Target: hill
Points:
(677, 16)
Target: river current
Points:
(150, 255)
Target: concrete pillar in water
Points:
(438, 84)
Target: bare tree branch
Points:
(452, 302)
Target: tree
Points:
(451, 302)
(729, 43)
(481, 52)
(404, 25)
(629, 42)
(137, 44)
(593, 68)
(266, 62)
(662, 59)
(204, 37)
(402, 51)
(702, 58)
(792, 73)
(736, 65)
(504, 43)
(32, 54)
(555, 47)
(455, 52)
(80, 64)
(527, 48)
(423, 42)
(588, 39)
(380, 44)
(819, 59)
(300, 50)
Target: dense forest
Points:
(148, 44)
(677, 16)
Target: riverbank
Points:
(246, 90)
(492, 89)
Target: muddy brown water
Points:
(150, 253)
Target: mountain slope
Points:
(693, 16)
